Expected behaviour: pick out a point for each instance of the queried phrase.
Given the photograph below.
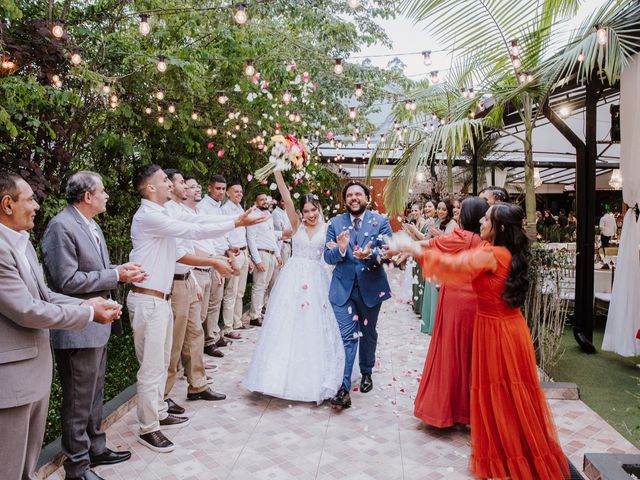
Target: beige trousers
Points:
(152, 324)
(262, 282)
(234, 293)
(212, 312)
(188, 337)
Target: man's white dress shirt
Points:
(262, 237)
(209, 206)
(238, 237)
(608, 226)
(154, 234)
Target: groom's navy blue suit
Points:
(358, 287)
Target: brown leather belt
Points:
(181, 276)
(149, 291)
(242, 248)
(265, 250)
(202, 269)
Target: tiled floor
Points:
(249, 436)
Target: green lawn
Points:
(609, 384)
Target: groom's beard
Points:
(356, 212)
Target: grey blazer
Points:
(75, 266)
(27, 310)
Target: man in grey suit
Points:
(76, 262)
(27, 310)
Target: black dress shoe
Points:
(342, 398)
(109, 457)
(256, 322)
(88, 475)
(212, 351)
(207, 394)
(223, 342)
(366, 384)
(157, 442)
(174, 408)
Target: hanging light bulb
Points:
(353, 113)
(249, 69)
(144, 28)
(616, 179)
(426, 57)
(292, 116)
(443, 121)
(231, 115)
(245, 119)
(581, 57)
(222, 98)
(464, 93)
(338, 68)
(55, 79)
(529, 77)
(522, 77)
(564, 111)
(57, 29)
(514, 49)
(160, 95)
(148, 110)
(407, 104)
(75, 58)
(381, 137)
(171, 108)
(353, 4)
(106, 89)
(160, 119)
(472, 93)
(209, 131)
(298, 118)
(472, 114)
(286, 97)
(194, 116)
(481, 106)
(601, 34)
(237, 127)
(240, 15)
(434, 116)
(162, 64)
(516, 62)
(359, 90)
(434, 76)
(159, 108)
(537, 180)
(113, 99)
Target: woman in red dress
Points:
(443, 396)
(512, 431)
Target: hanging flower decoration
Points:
(285, 152)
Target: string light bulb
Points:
(353, 113)
(162, 64)
(338, 68)
(160, 95)
(57, 29)
(529, 77)
(581, 57)
(245, 119)
(434, 76)
(359, 90)
(160, 119)
(113, 99)
(249, 69)
(8, 64)
(601, 34)
(194, 115)
(516, 62)
(144, 28)
(231, 115)
(522, 77)
(106, 89)
(426, 57)
(75, 58)
(222, 98)
(353, 4)
(148, 110)
(515, 49)
(171, 108)
(297, 118)
(291, 116)
(286, 97)
(240, 15)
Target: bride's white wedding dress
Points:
(299, 355)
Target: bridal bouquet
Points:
(286, 151)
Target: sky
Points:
(407, 37)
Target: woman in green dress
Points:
(445, 224)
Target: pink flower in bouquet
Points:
(306, 77)
(210, 145)
(264, 85)
(277, 126)
(256, 77)
(291, 67)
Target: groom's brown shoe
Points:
(342, 398)
(366, 384)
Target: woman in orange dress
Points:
(512, 431)
(443, 396)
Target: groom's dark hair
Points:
(351, 183)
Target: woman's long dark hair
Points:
(472, 210)
(507, 220)
(449, 204)
(308, 198)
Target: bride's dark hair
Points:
(308, 198)
(507, 222)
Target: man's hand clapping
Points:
(104, 311)
(343, 240)
(131, 272)
(363, 253)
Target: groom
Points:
(359, 283)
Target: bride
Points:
(299, 355)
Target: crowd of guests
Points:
(188, 267)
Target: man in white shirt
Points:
(28, 309)
(282, 225)
(263, 247)
(235, 286)
(186, 294)
(608, 228)
(211, 205)
(153, 234)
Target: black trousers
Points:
(604, 240)
(82, 378)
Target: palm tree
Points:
(511, 57)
